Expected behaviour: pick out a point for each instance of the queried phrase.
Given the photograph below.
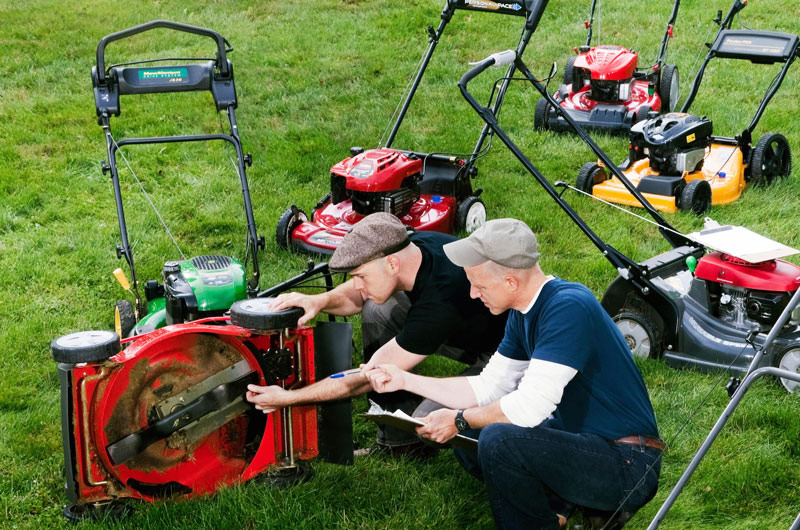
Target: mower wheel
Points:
(589, 175)
(124, 318)
(470, 215)
(85, 347)
(638, 333)
(109, 511)
(669, 88)
(696, 197)
(642, 113)
(255, 313)
(771, 158)
(790, 361)
(286, 224)
(569, 72)
(540, 115)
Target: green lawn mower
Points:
(203, 286)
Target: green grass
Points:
(313, 79)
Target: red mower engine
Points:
(378, 180)
(748, 294)
(167, 417)
(607, 71)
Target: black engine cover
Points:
(666, 136)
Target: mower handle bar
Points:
(222, 61)
(496, 59)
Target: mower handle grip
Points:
(496, 59)
(222, 61)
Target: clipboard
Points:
(402, 421)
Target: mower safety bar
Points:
(496, 59)
(222, 61)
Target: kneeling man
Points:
(563, 412)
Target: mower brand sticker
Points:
(691, 138)
(713, 338)
(174, 75)
(486, 4)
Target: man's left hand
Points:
(439, 425)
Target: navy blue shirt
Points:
(567, 325)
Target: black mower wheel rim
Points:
(772, 158)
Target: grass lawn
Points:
(313, 79)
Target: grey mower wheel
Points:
(286, 224)
(85, 347)
(470, 215)
(255, 313)
(638, 333)
(790, 361)
(669, 88)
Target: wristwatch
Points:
(461, 423)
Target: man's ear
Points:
(511, 282)
(393, 263)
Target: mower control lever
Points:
(500, 58)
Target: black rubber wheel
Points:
(124, 318)
(669, 88)
(696, 197)
(282, 477)
(255, 313)
(286, 224)
(589, 175)
(789, 360)
(771, 159)
(642, 113)
(96, 512)
(569, 72)
(85, 347)
(540, 115)
(638, 333)
(470, 215)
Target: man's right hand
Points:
(311, 304)
(268, 398)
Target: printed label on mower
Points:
(173, 75)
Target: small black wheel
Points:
(286, 224)
(589, 175)
(789, 360)
(642, 113)
(470, 215)
(282, 477)
(569, 72)
(771, 159)
(669, 88)
(124, 318)
(696, 197)
(255, 313)
(639, 334)
(541, 114)
(85, 347)
(113, 510)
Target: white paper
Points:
(741, 243)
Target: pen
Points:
(346, 372)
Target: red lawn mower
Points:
(166, 417)
(605, 89)
(427, 191)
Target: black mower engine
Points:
(675, 142)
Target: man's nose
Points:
(473, 292)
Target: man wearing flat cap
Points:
(414, 302)
(561, 412)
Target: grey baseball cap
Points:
(375, 236)
(508, 242)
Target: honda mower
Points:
(604, 89)
(704, 310)
(427, 191)
(205, 285)
(677, 163)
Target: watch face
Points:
(461, 423)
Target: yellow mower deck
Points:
(720, 159)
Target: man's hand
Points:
(311, 304)
(440, 425)
(384, 378)
(268, 398)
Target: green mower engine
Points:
(201, 287)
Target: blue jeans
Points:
(528, 471)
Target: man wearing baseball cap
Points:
(563, 414)
(413, 301)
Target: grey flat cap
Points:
(508, 242)
(375, 236)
